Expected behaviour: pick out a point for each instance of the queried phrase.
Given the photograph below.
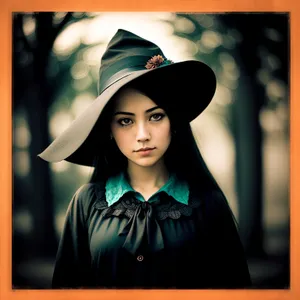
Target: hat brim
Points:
(195, 81)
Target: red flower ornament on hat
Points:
(157, 61)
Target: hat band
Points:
(119, 75)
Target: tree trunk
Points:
(248, 136)
(42, 198)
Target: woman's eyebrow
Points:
(132, 114)
(123, 113)
(151, 109)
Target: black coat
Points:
(135, 244)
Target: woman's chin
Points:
(146, 162)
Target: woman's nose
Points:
(143, 133)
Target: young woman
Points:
(152, 215)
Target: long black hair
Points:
(183, 156)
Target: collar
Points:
(118, 185)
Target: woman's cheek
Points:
(122, 142)
(167, 136)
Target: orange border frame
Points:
(6, 10)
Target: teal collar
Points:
(118, 186)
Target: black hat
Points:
(130, 58)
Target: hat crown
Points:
(125, 53)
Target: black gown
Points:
(164, 244)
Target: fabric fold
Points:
(143, 225)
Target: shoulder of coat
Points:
(91, 194)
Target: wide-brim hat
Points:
(191, 85)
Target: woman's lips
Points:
(145, 151)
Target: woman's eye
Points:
(156, 117)
(125, 121)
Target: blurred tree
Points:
(34, 90)
(252, 55)
(253, 42)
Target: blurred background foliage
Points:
(243, 134)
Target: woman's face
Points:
(141, 129)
